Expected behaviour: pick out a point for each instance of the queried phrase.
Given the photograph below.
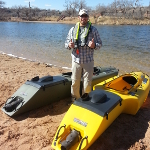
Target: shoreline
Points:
(99, 21)
(47, 64)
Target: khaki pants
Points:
(76, 78)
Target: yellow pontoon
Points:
(91, 115)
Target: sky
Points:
(58, 4)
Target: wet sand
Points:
(36, 129)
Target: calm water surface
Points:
(124, 47)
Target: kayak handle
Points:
(58, 134)
(82, 142)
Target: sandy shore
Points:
(36, 129)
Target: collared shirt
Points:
(85, 53)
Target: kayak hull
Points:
(87, 120)
(39, 92)
(93, 113)
(132, 98)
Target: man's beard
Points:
(83, 23)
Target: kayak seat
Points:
(119, 85)
(122, 83)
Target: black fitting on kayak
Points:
(64, 82)
(85, 138)
(46, 79)
(43, 87)
(96, 70)
(120, 102)
(71, 140)
(85, 97)
(104, 83)
(13, 104)
(58, 134)
(67, 74)
(107, 115)
(35, 78)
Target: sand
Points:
(36, 129)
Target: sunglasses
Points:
(84, 16)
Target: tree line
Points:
(118, 8)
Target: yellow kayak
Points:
(133, 88)
(89, 116)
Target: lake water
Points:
(124, 47)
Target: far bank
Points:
(101, 20)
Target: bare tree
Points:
(68, 8)
(74, 6)
(118, 8)
(126, 7)
(34, 11)
(137, 9)
(114, 7)
(26, 11)
(82, 4)
(17, 10)
(2, 10)
(100, 9)
(2, 4)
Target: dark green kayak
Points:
(39, 92)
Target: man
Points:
(83, 39)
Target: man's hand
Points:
(71, 44)
(92, 44)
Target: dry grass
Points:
(100, 20)
(121, 21)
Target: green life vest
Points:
(83, 36)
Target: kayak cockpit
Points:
(126, 83)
